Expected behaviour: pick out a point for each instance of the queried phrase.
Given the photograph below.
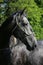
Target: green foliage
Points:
(39, 3)
(1, 0)
(34, 11)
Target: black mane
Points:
(9, 20)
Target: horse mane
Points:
(9, 20)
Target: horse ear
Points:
(22, 11)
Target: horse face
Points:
(24, 31)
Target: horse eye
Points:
(24, 24)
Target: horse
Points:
(22, 56)
(16, 24)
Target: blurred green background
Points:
(34, 11)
